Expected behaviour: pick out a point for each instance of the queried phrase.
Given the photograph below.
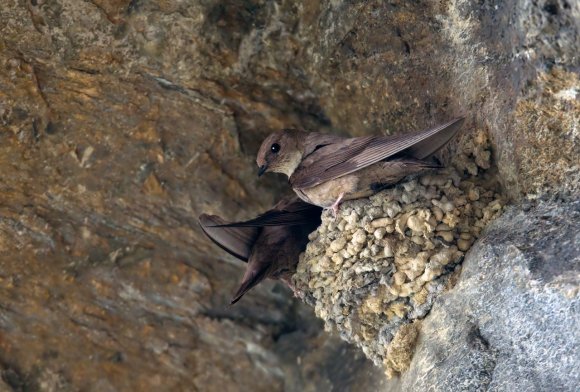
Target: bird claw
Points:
(334, 212)
(336, 206)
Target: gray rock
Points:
(511, 322)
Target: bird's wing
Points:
(275, 252)
(237, 241)
(431, 144)
(314, 168)
(254, 274)
(294, 213)
(349, 155)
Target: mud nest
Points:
(373, 272)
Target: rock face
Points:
(116, 133)
(122, 120)
(509, 324)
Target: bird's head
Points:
(281, 152)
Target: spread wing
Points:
(275, 254)
(349, 155)
(237, 241)
(293, 213)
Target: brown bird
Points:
(269, 243)
(326, 169)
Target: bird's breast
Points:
(325, 194)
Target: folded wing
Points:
(349, 155)
(293, 214)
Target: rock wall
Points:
(514, 67)
(118, 128)
(122, 120)
(509, 322)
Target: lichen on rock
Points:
(373, 272)
(550, 155)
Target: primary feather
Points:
(347, 155)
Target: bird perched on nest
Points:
(269, 243)
(325, 170)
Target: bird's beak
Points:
(262, 170)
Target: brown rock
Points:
(121, 121)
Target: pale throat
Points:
(290, 164)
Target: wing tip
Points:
(239, 249)
(206, 220)
(457, 120)
(242, 290)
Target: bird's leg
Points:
(335, 206)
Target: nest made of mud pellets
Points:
(373, 273)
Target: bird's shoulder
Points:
(325, 153)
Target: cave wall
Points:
(114, 139)
(122, 120)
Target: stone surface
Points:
(114, 138)
(122, 120)
(510, 322)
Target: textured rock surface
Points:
(113, 139)
(121, 120)
(510, 323)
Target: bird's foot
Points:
(336, 205)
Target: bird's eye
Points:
(275, 148)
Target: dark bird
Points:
(269, 243)
(326, 169)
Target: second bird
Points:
(270, 243)
(325, 169)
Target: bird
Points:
(269, 243)
(325, 169)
